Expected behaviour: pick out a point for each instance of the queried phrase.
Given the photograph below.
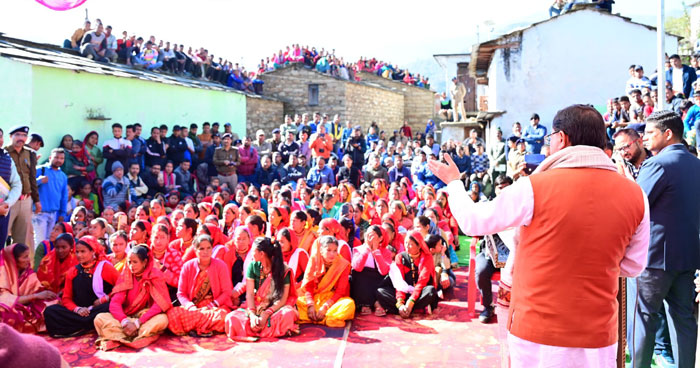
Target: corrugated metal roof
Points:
(56, 57)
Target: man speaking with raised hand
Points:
(581, 226)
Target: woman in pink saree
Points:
(270, 297)
(21, 294)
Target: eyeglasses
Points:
(625, 147)
(548, 137)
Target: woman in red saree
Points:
(296, 258)
(415, 278)
(279, 218)
(326, 287)
(333, 228)
(140, 299)
(306, 237)
(270, 297)
(54, 266)
(86, 291)
(238, 256)
(204, 292)
(21, 294)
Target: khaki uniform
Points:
(20, 226)
(227, 173)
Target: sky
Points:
(404, 33)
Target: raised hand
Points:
(445, 172)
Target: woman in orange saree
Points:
(137, 310)
(54, 266)
(21, 295)
(271, 294)
(204, 291)
(326, 287)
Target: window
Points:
(313, 94)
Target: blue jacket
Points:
(54, 194)
(689, 76)
(534, 138)
(691, 118)
(670, 181)
(318, 176)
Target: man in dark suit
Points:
(670, 181)
(681, 76)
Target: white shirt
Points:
(677, 83)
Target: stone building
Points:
(387, 102)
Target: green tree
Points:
(680, 26)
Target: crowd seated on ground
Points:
(96, 42)
(327, 62)
(203, 233)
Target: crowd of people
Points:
(202, 233)
(100, 44)
(327, 62)
(205, 232)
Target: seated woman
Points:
(443, 269)
(237, 257)
(279, 218)
(204, 292)
(139, 233)
(21, 294)
(295, 257)
(86, 293)
(185, 232)
(54, 266)
(47, 245)
(119, 241)
(136, 315)
(369, 267)
(167, 259)
(333, 228)
(305, 236)
(412, 273)
(326, 287)
(270, 296)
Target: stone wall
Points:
(291, 84)
(263, 113)
(419, 103)
(366, 104)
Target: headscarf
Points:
(284, 214)
(217, 236)
(68, 228)
(331, 224)
(426, 258)
(294, 245)
(96, 247)
(316, 269)
(152, 282)
(82, 155)
(51, 271)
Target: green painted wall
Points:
(15, 93)
(55, 102)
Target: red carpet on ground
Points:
(448, 337)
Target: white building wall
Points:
(581, 57)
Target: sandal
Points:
(366, 310)
(379, 311)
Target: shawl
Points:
(426, 258)
(12, 284)
(284, 214)
(52, 273)
(216, 235)
(151, 285)
(577, 157)
(327, 277)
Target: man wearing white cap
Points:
(261, 145)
